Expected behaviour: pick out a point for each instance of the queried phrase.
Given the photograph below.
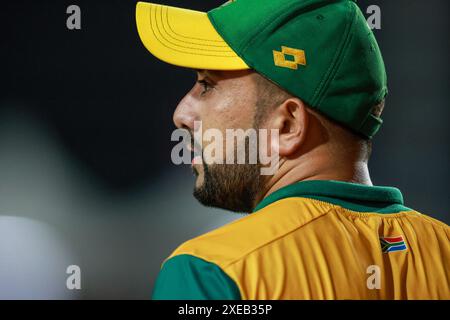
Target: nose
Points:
(185, 114)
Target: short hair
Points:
(271, 95)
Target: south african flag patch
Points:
(391, 244)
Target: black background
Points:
(108, 103)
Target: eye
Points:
(206, 86)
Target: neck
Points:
(317, 167)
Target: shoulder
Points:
(205, 267)
(186, 277)
(234, 241)
(433, 223)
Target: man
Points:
(318, 229)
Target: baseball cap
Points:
(321, 51)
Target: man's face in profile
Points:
(222, 100)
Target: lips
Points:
(196, 160)
(197, 150)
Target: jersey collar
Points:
(353, 196)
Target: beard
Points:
(231, 187)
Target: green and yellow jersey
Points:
(316, 240)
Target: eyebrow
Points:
(215, 74)
(202, 71)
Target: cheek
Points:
(232, 111)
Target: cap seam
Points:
(179, 47)
(322, 88)
(262, 27)
(184, 36)
(338, 65)
(168, 37)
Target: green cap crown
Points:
(320, 51)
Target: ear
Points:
(291, 120)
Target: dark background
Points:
(85, 123)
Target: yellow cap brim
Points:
(184, 38)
